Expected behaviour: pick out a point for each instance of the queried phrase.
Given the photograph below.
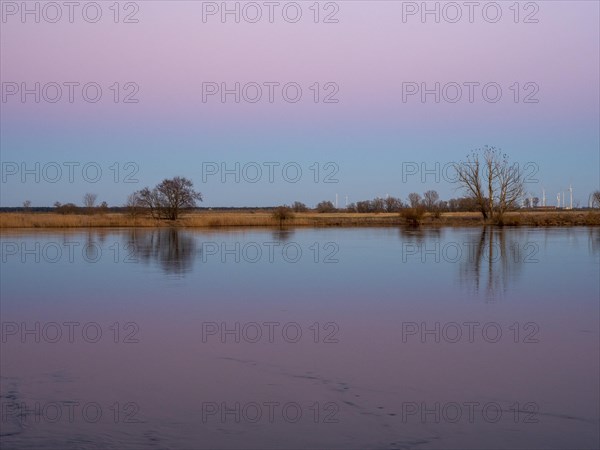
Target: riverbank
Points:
(263, 218)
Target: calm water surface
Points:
(333, 338)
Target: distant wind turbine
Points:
(571, 192)
(543, 197)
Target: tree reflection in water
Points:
(282, 235)
(594, 241)
(488, 260)
(420, 235)
(494, 258)
(172, 249)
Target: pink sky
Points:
(369, 54)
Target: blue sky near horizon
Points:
(369, 134)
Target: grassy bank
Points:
(216, 219)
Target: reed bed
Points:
(208, 219)
(218, 219)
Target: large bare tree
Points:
(491, 181)
(168, 198)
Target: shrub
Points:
(67, 208)
(282, 213)
(413, 216)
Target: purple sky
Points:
(368, 134)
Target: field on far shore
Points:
(264, 218)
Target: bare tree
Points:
(89, 200)
(378, 205)
(299, 207)
(414, 199)
(27, 205)
(491, 181)
(470, 178)
(510, 185)
(596, 199)
(103, 208)
(364, 206)
(430, 199)
(325, 206)
(147, 198)
(133, 204)
(169, 197)
(393, 204)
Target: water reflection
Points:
(172, 249)
(493, 258)
(371, 372)
(488, 258)
(282, 235)
(419, 235)
(594, 240)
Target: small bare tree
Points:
(392, 204)
(133, 205)
(103, 208)
(325, 206)
(27, 205)
(491, 181)
(89, 200)
(378, 205)
(299, 207)
(596, 199)
(414, 199)
(431, 199)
